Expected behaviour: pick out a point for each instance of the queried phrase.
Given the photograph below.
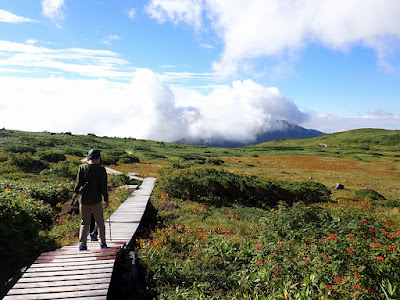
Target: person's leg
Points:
(93, 228)
(92, 223)
(85, 212)
(98, 215)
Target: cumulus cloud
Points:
(9, 17)
(144, 108)
(175, 11)
(147, 108)
(53, 9)
(261, 28)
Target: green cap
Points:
(94, 153)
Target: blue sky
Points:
(169, 69)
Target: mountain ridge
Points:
(288, 131)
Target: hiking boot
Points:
(93, 236)
(82, 248)
(103, 246)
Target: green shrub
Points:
(51, 156)
(20, 149)
(23, 161)
(368, 194)
(65, 169)
(20, 222)
(193, 157)
(121, 179)
(153, 155)
(107, 160)
(50, 192)
(129, 159)
(3, 157)
(221, 187)
(216, 161)
(355, 256)
(73, 151)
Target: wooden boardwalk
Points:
(68, 273)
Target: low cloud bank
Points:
(146, 108)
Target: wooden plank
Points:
(79, 294)
(58, 268)
(69, 263)
(67, 260)
(72, 272)
(64, 277)
(59, 289)
(56, 283)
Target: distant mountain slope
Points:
(290, 131)
(355, 138)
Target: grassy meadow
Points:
(257, 222)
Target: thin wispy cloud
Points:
(31, 41)
(9, 17)
(109, 39)
(83, 62)
(207, 46)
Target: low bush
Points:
(368, 194)
(53, 192)
(20, 149)
(129, 159)
(215, 161)
(120, 180)
(23, 161)
(74, 151)
(224, 188)
(65, 169)
(21, 219)
(51, 156)
(107, 159)
(290, 252)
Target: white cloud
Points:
(188, 11)
(9, 17)
(131, 13)
(53, 9)
(260, 28)
(335, 123)
(108, 39)
(143, 108)
(31, 41)
(147, 108)
(84, 62)
(207, 46)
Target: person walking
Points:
(91, 186)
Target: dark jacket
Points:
(96, 186)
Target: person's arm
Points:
(78, 181)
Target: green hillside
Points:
(353, 144)
(217, 219)
(359, 138)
